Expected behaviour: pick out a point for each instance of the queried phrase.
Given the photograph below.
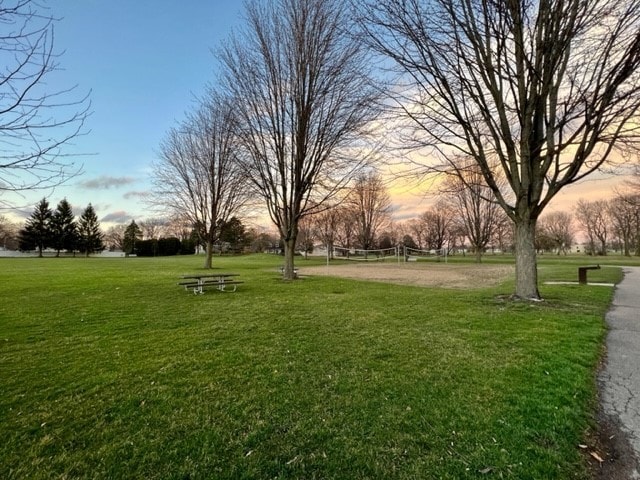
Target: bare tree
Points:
(326, 225)
(8, 234)
(35, 124)
(114, 237)
(438, 224)
(346, 232)
(503, 234)
(370, 203)
(545, 89)
(628, 197)
(199, 174)
(592, 217)
(305, 102)
(263, 241)
(624, 213)
(306, 235)
(558, 227)
(415, 228)
(632, 184)
(179, 226)
(152, 228)
(474, 204)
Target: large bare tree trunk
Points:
(526, 265)
(289, 252)
(208, 254)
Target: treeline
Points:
(58, 230)
(466, 220)
(164, 247)
(612, 224)
(130, 240)
(361, 220)
(178, 236)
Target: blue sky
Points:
(143, 62)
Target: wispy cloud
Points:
(130, 195)
(105, 182)
(119, 216)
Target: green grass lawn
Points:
(108, 369)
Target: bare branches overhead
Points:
(548, 88)
(36, 121)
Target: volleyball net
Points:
(359, 254)
(417, 255)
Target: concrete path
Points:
(619, 380)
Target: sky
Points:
(144, 62)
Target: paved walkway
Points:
(619, 380)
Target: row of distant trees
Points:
(458, 222)
(611, 224)
(58, 230)
(606, 225)
(467, 219)
(159, 237)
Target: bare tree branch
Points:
(473, 203)
(35, 124)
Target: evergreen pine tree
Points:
(131, 235)
(63, 228)
(90, 236)
(233, 232)
(37, 232)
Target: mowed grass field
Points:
(108, 369)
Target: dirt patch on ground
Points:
(422, 274)
(609, 453)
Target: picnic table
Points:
(198, 282)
